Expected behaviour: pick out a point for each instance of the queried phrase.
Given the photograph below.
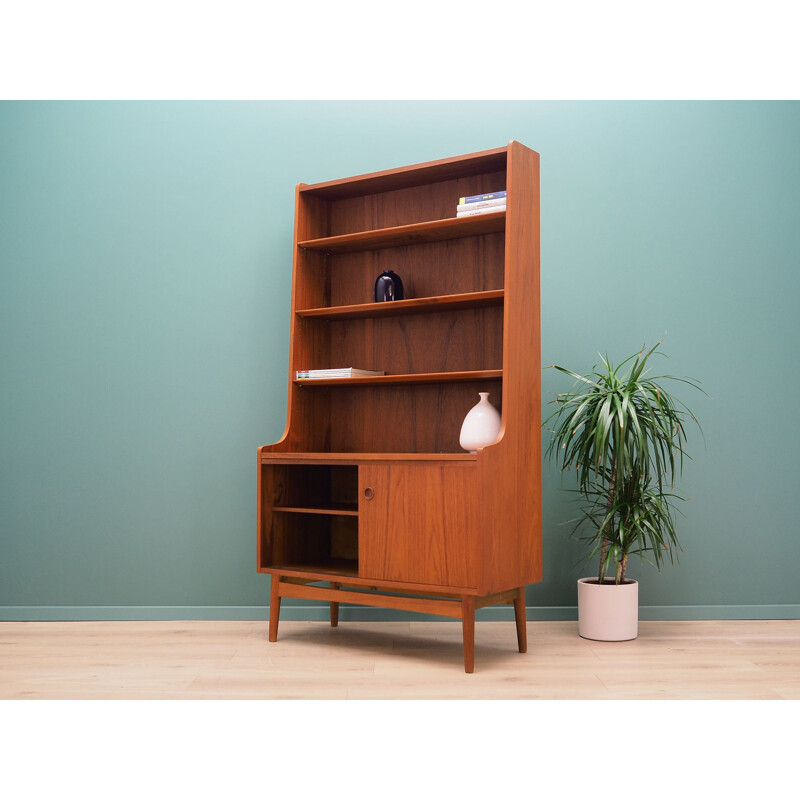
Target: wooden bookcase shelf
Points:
(270, 457)
(417, 233)
(418, 305)
(368, 487)
(339, 567)
(341, 510)
(421, 377)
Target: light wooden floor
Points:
(194, 660)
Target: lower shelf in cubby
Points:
(342, 567)
(337, 510)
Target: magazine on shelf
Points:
(343, 372)
(477, 211)
(500, 201)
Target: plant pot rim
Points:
(608, 582)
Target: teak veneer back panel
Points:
(443, 342)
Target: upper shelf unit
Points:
(440, 346)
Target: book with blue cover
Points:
(477, 198)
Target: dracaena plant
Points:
(623, 434)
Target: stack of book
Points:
(481, 204)
(344, 372)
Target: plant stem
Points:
(606, 539)
(603, 554)
(621, 568)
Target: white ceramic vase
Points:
(481, 426)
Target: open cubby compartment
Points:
(416, 418)
(450, 341)
(309, 543)
(309, 517)
(404, 197)
(427, 269)
(326, 487)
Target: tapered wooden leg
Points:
(334, 609)
(468, 626)
(274, 608)
(519, 615)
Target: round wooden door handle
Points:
(368, 493)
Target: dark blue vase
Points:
(388, 287)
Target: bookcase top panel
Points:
(414, 175)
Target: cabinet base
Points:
(461, 607)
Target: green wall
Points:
(145, 254)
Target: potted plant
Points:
(623, 433)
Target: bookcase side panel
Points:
(314, 216)
(308, 417)
(511, 469)
(271, 488)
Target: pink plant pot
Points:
(607, 612)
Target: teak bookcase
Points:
(368, 490)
